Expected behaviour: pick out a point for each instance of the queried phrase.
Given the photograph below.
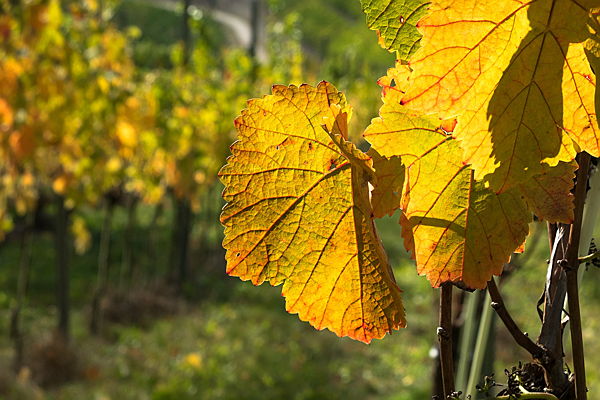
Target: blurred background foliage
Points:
(115, 119)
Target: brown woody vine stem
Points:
(521, 338)
(530, 395)
(555, 292)
(571, 267)
(444, 333)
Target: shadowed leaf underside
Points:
(395, 23)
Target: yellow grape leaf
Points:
(549, 193)
(61, 183)
(387, 190)
(22, 142)
(457, 229)
(82, 238)
(516, 74)
(393, 84)
(126, 134)
(298, 213)
(10, 70)
(395, 23)
(6, 115)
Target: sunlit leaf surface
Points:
(395, 23)
(517, 75)
(457, 229)
(298, 213)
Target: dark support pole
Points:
(103, 270)
(445, 338)
(16, 332)
(185, 226)
(255, 25)
(128, 263)
(62, 268)
(152, 268)
(182, 225)
(186, 35)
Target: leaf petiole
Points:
(589, 257)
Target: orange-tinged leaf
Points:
(10, 70)
(61, 183)
(22, 142)
(457, 229)
(6, 114)
(517, 76)
(127, 134)
(549, 193)
(387, 190)
(298, 214)
(393, 84)
(521, 248)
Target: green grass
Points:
(247, 347)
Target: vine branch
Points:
(444, 333)
(553, 298)
(529, 395)
(571, 266)
(521, 338)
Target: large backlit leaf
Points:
(517, 75)
(457, 229)
(395, 22)
(298, 213)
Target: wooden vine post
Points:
(444, 334)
